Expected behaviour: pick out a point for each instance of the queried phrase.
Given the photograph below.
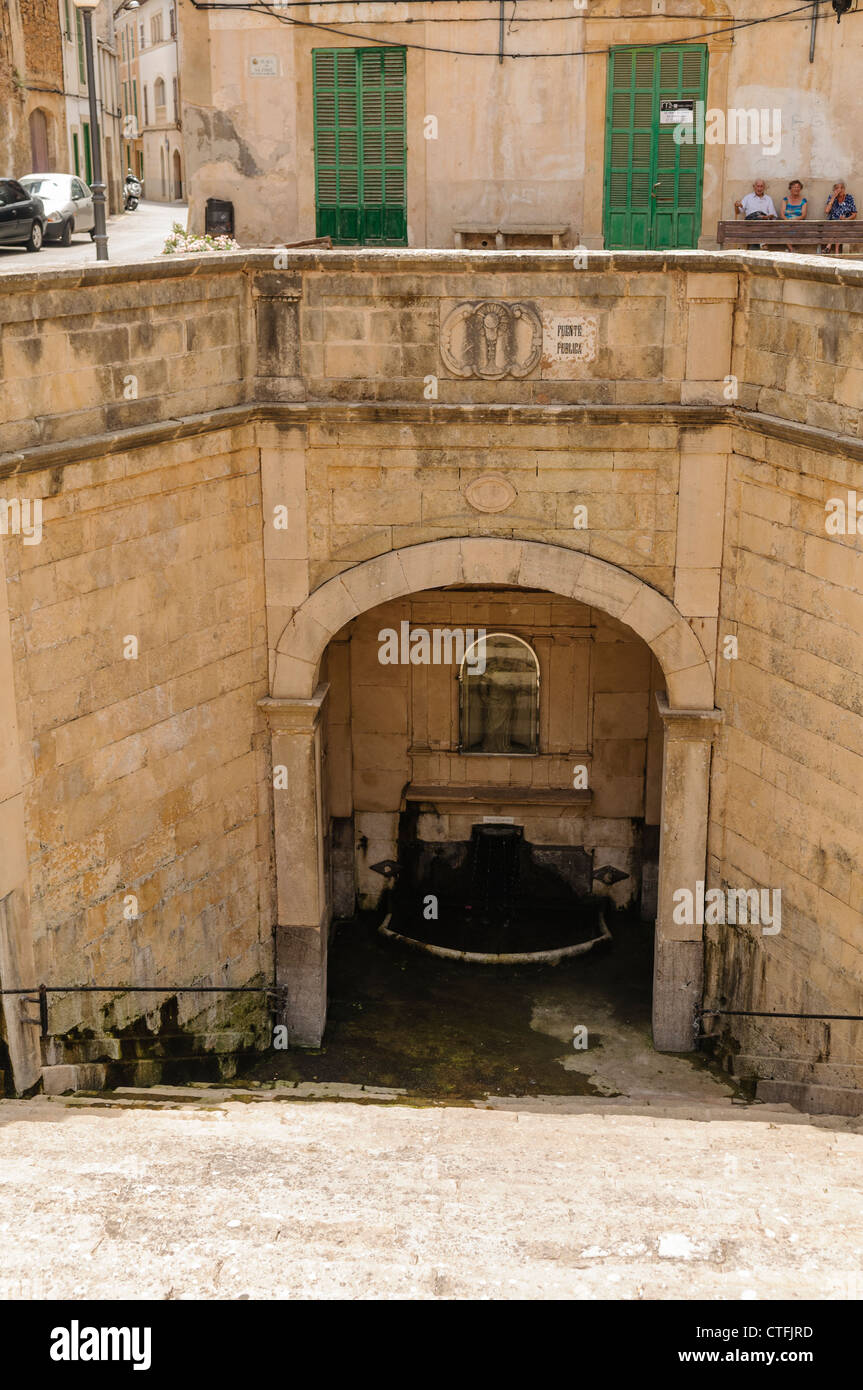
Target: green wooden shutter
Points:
(681, 73)
(641, 156)
(360, 145)
(629, 148)
(337, 189)
(82, 62)
(382, 88)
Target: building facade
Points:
(130, 86)
(630, 472)
(80, 148)
(33, 128)
(448, 125)
(151, 97)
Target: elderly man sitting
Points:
(758, 203)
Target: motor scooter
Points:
(131, 192)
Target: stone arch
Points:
(479, 560)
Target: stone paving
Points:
(132, 236)
(146, 1196)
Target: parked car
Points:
(68, 204)
(22, 216)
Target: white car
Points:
(68, 204)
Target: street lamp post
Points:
(100, 236)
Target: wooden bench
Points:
(766, 232)
(506, 234)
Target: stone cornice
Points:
(693, 724)
(293, 716)
(68, 451)
(382, 260)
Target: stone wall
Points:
(139, 647)
(166, 414)
(79, 363)
(786, 802)
(786, 805)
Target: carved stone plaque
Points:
(490, 492)
(569, 340)
(491, 339)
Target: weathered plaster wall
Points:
(31, 78)
(522, 141)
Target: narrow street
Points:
(132, 236)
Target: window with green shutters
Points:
(652, 194)
(82, 60)
(360, 145)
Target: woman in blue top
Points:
(794, 205)
(840, 208)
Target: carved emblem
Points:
(490, 338)
(490, 492)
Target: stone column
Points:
(302, 893)
(678, 961)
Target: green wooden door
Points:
(652, 190)
(360, 145)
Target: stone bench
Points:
(500, 235)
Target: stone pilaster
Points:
(678, 957)
(302, 895)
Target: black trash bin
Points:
(219, 217)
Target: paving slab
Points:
(339, 1199)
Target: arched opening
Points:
(178, 177)
(499, 696)
(611, 804)
(40, 155)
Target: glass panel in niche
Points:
(499, 697)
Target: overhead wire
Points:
(276, 11)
